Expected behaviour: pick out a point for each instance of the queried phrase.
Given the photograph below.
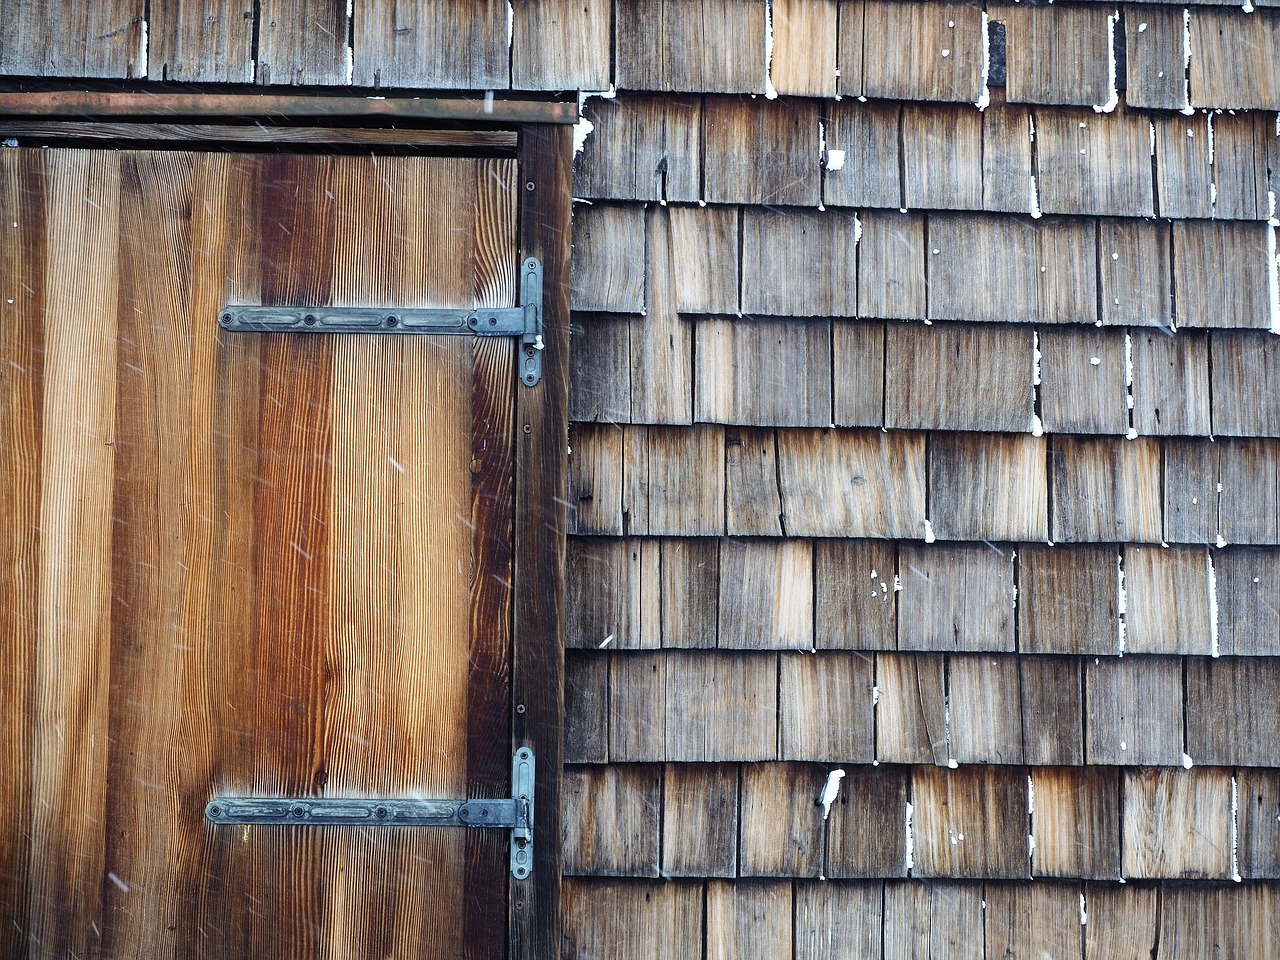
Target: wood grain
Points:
(855, 601)
(1091, 163)
(1006, 156)
(1230, 718)
(1171, 390)
(1184, 175)
(838, 919)
(761, 151)
(1076, 822)
(955, 598)
(985, 711)
(748, 921)
(203, 42)
(858, 368)
(1057, 56)
(891, 266)
(561, 45)
(642, 147)
(766, 596)
(703, 266)
(700, 820)
(1244, 148)
(637, 920)
(1069, 599)
(302, 42)
(611, 820)
(1169, 607)
(1155, 72)
(1135, 268)
(753, 499)
(827, 707)
(932, 920)
(763, 372)
(942, 157)
(431, 43)
(799, 263)
(1219, 274)
(1258, 823)
(1246, 380)
(783, 832)
(672, 480)
(868, 133)
(804, 48)
(1248, 606)
(988, 487)
(1122, 921)
(941, 60)
(970, 822)
(866, 836)
(1219, 75)
(1052, 710)
(607, 273)
(1032, 920)
(1105, 490)
(709, 46)
(1133, 710)
(49, 38)
(1177, 823)
(1082, 381)
(911, 718)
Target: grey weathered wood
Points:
(747, 921)
(891, 265)
(1091, 163)
(955, 597)
(985, 709)
(1170, 383)
(637, 705)
(1249, 503)
(700, 820)
(783, 833)
(970, 822)
(850, 17)
(911, 711)
(1057, 55)
(1248, 587)
(600, 369)
(1177, 823)
(761, 151)
(52, 38)
(753, 501)
(763, 372)
(937, 51)
(855, 595)
(561, 45)
(1154, 57)
(1133, 710)
(1106, 490)
(852, 483)
(1076, 822)
(835, 920)
(1183, 174)
(868, 135)
(708, 46)
(932, 920)
(611, 593)
(690, 585)
(1052, 710)
(641, 147)
(943, 158)
(611, 820)
(636, 920)
(1246, 384)
(431, 43)
(704, 259)
(595, 479)
(827, 707)
(1224, 72)
(1169, 607)
(1122, 921)
(1190, 491)
(721, 706)
(1032, 920)
(799, 263)
(1220, 274)
(1232, 920)
(858, 369)
(866, 837)
(586, 708)
(766, 595)
(608, 271)
(1258, 823)
(958, 377)
(1231, 711)
(1245, 146)
(1082, 381)
(1134, 269)
(661, 341)
(987, 487)
(208, 42)
(1000, 268)
(302, 42)
(673, 480)
(1068, 599)
(1006, 157)
(804, 48)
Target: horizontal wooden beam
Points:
(256, 133)
(92, 103)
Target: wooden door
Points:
(250, 564)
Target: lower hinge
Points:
(514, 813)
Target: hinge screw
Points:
(309, 319)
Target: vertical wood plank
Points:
(740, 369)
(1220, 274)
(721, 706)
(1248, 602)
(1083, 377)
(1154, 57)
(799, 263)
(641, 148)
(561, 45)
(49, 38)
(690, 592)
(748, 921)
(942, 162)
(766, 596)
(970, 822)
(700, 820)
(608, 273)
(955, 598)
(637, 920)
(911, 711)
(1169, 606)
(940, 60)
(1134, 710)
(711, 46)
(753, 500)
(1258, 823)
(1246, 380)
(1231, 717)
(855, 602)
(662, 341)
(1090, 163)
(1032, 920)
(1135, 273)
(984, 699)
(838, 920)
(868, 135)
(891, 265)
(761, 151)
(804, 48)
(1177, 823)
(866, 836)
(1122, 921)
(673, 481)
(784, 834)
(932, 920)
(1068, 599)
(827, 703)
(703, 264)
(1106, 490)
(1171, 384)
(988, 487)
(1076, 822)
(1057, 56)
(857, 373)
(586, 709)
(72, 651)
(1052, 710)
(611, 820)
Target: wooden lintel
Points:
(153, 106)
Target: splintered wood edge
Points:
(91, 103)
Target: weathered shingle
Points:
(1090, 163)
(1233, 62)
(641, 147)
(1177, 823)
(1057, 54)
(761, 152)
(705, 46)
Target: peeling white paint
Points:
(1187, 762)
(144, 50)
(1122, 606)
(1273, 275)
(1235, 831)
(770, 92)
(911, 840)
(857, 229)
(511, 25)
(835, 159)
(1034, 205)
(1213, 605)
(984, 98)
(1084, 914)
(928, 532)
(1113, 100)
(1186, 60)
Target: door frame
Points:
(545, 154)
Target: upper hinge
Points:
(523, 321)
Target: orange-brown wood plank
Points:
(72, 661)
(970, 822)
(22, 352)
(1105, 490)
(1032, 920)
(932, 920)
(1076, 822)
(1178, 823)
(1224, 44)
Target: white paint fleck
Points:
(1094, 361)
(143, 51)
(1186, 61)
(1122, 605)
(1187, 762)
(1084, 915)
(605, 642)
(1142, 28)
(1114, 99)
(1212, 575)
(945, 53)
(1235, 830)
(835, 159)
(1034, 205)
(928, 532)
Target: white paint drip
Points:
(1122, 605)
(1084, 914)
(835, 159)
(984, 98)
(1273, 275)
(876, 693)
(1235, 831)
(1114, 99)
(1247, 6)
(1187, 762)
(911, 840)
(1186, 60)
(511, 25)
(857, 229)
(928, 532)
(1037, 425)
(770, 92)
(145, 43)
(1213, 605)
(1151, 138)
(351, 53)
(1035, 200)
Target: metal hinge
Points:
(514, 813)
(523, 321)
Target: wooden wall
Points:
(926, 425)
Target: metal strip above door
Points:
(523, 321)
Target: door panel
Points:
(250, 564)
